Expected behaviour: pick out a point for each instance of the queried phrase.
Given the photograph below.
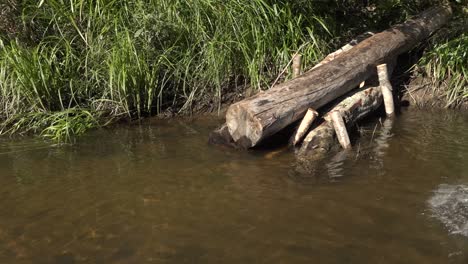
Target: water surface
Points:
(158, 193)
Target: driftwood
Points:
(297, 62)
(315, 165)
(311, 114)
(340, 129)
(386, 86)
(253, 119)
(221, 135)
(306, 122)
(334, 55)
(354, 107)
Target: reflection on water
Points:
(158, 193)
(335, 165)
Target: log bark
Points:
(252, 120)
(354, 107)
(334, 55)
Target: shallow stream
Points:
(158, 193)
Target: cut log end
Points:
(245, 129)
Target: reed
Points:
(446, 65)
(70, 65)
(114, 59)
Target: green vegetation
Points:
(114, 59)
(446, 64)
(445, 61)
(70, 65)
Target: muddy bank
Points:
(7, 19)
(422, 92)
(412, 92)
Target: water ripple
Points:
(449, 204)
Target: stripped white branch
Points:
(303, 128)
(386, 86)
(340, 129)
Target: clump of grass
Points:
(129, 59)
(61, 126)
(446, 65)
(136, 58)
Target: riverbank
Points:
(423, 93)
(65, 69)
(439, 77)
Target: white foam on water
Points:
(449, 204)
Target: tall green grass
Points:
(70, 65)
(446, 65)
(112, 59)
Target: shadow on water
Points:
(158, 193)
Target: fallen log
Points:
(343, 49)
(354, 107)
(253, 119)
(311, 114)
(221, 135)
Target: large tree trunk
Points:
(258, 117)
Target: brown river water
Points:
(158, 193)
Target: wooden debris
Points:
(253, 119)
(221, 135)
(303, 128)
(296, 65)
(340, 129)
(386, 86)
(334, 55)
(352, 108)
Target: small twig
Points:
(358, 151)
(373, 133)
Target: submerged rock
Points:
(450, 205)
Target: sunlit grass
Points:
(97, 61)
(446, 64)
(137, 58)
